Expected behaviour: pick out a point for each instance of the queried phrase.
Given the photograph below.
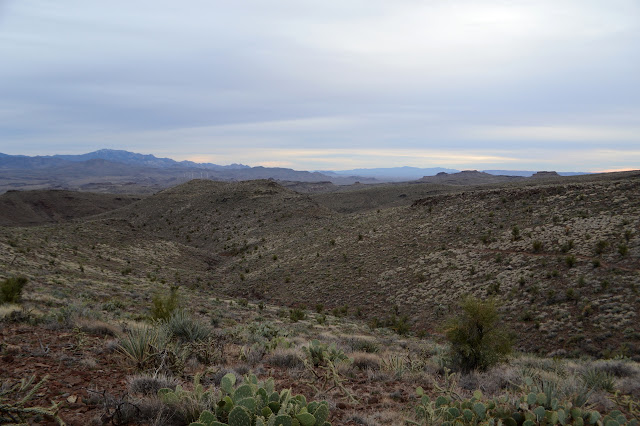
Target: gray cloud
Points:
(289, 79)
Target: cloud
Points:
(478, 81)
(556, 133)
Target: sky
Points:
(327, 85)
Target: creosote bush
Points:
(11, 289)
(477, 338)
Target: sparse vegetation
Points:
(11, 289)
(478, 340)
(402, 270)
(164, 305)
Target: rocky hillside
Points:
(29, 208)
(561, 256)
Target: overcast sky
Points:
(478, 84)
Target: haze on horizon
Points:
(531, 85)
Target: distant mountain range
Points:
(149, 160)
(400, 174)
(122, 171)
(391, 174)
(111, 170)
(112, 155)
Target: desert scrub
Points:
(477, 339)
(141, 345)
(297, 314)
(537, 246)
(164, 305)
(11, 289)
(183, 327)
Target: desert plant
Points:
(145, 384)
(251, 403)
(139, 345)
(601, 245)
(570, 261)
(184, 328)
(11, 289)
(537, 246)
(477, 339)
(164, 305)
(532, 408)
(297, 314)
(515, 233)
(13, 400)
(190, 404)
(598, 379)
(319, 353)
(623, 249)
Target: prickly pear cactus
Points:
(252, 403)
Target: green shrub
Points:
(515, 233)
(297, 314)
(598, 379)
(623, 249)
(477, 339)
(400, 324)
(570, 261)
(163, 306)
(140, 345)
(537, 246)
(601, 245)
(184, 328)
(11, 289)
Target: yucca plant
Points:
(599, 380)
(141, 344)
(184, 328)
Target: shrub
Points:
(570, 261)
(297, 314)
(601, 245)
(566, 246)
(400, 324)
(184, 328)
(598, 379)
(476, 337)
(537, 246)
(623, 249)
(366, 361)
(286, 358)
(145, 384)
(140, 345)
(362, 345)
(11, 289)
(515, 233)
(163, 306)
